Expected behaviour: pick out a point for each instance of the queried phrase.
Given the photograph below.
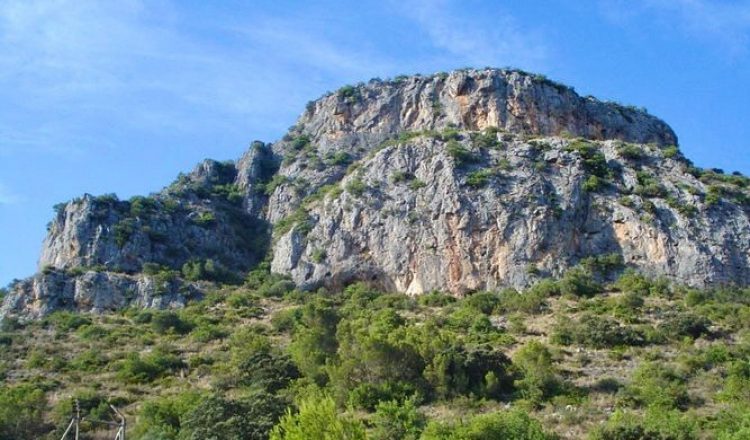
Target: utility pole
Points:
(75, 420)
(120, 432)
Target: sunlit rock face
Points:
(459, 182)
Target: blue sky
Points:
(120, 96)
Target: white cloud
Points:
(143, 64)
(7, 197)
(496, 40)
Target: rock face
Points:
(96, 292)
(472, 180)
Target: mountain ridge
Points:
(463, 181)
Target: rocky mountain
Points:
(463, 181)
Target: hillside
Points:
(474, 254)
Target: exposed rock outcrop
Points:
(472, 180)
(95, 292)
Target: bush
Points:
(483, 302)
(671, 152)
(435, 299)
(579, 282)
(314, 339)
(655, 385)
(248, 418)
(169, 322)
(656, 425)
(397, 421)
(161, 418)
(67, 321)
(340, 158)
(356, 187)
(123, 230)
(479, 178)
(486, 139)
(317, 419)
(596, 332)
(516, 425)
(209, 270)
(630, 152)
(144, 369)
(205, 219)
(685, 324)
(592, 184)
(459, 153)
(22, 410)
(539, 378)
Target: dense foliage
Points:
(262, 360)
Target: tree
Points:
(218, 418)
(397, 421)
(21, 412)
(317, 419)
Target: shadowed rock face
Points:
(472, 180)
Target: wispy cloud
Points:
(7, 197)
(144, 65)
(724, 23)
(496, 39)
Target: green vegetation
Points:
(594, 163)
(479, 178)
(262, 359)
(486, 138)
(459, 153)
(356, 187)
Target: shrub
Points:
(539, 379)
(532, 300)
(516, 425)
(318, 255)
(300, 142)
(169, 322)
(416, 184)
(486, 139)
(658, 386)
(685, 324)
(356, 187)
(459, 153)
(597, 332)
(349, 94)
(144, 369)
(594, 162)
(592, 184)
(579, 282)
(275, 182)
(162, 417)
(205, 219)
(339, 158)
(656, 425)
(22, 411)
(317, 419)
(479, 178)
(209, 270)
(314, 339)
(397, 421)
(630, 152)
(671, 152)
(249, 418)
(66, 321)
(123, 230)
(435, 299)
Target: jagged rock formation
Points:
(465, 181)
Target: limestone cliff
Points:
(466, 181)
